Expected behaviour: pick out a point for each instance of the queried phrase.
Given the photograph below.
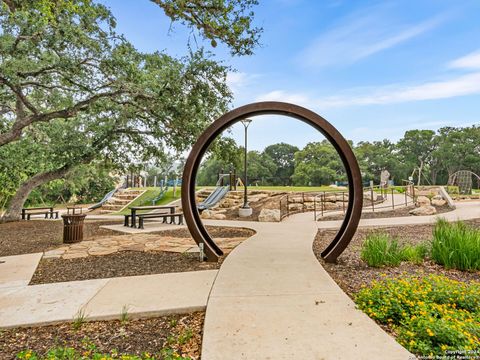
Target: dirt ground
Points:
(350, 272)
(181, 333)
(24, 237)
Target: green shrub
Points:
(381, 249)
(430, 315)
(456, 245)
(414, 253)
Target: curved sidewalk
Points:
(463, 211)
(273, 300)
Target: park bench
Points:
(172, 217)
(133, 212)
(47, 211)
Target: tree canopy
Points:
(73, 91)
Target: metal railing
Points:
(326, 202)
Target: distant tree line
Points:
(430, 157)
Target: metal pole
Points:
(371, 199)
(245, 123)
(245, 196)
(393, 201)
(406, 197)
(323, 202)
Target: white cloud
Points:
(470, 61)
(280, 95)
(468, 84)
(361, 35)
(240, 83)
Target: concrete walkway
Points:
(273, 300)
(464, 211)
(102, 299)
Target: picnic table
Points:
(134, 209)
(48, 210)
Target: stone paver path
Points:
(137, 242)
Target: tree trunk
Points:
(14, 209)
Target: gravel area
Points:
(350, 272)
(24, 237)
(181, 333)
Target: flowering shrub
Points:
(431, 315)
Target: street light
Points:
(245, 210)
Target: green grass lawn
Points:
(147, 197)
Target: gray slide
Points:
(216, 195)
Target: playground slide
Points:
(213, 198)
(104, 200)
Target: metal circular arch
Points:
(355, 199)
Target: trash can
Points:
(73, 228)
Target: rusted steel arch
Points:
(355, 199)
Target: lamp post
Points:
(245, 210)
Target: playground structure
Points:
(355, 198)
(464, 180)
(220, 191)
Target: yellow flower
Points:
(444, 347)
(430, 332)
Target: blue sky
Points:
(372, 68)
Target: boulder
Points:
(207, 214)
(295, 207)
(228, 203)
(296, 199)
(438, 202)
(328, 206)
(309, 205)
(368, 195)
(331, 198)
(437, 197)
(219, 216)
(424, 210)
(269, 215)
(423, 201)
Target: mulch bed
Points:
(350, 272)
(123, 263)
(399, 212)
(128, 337)
(24, 237)
(132, 263)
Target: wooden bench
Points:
(47, 211)
(172, 217)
